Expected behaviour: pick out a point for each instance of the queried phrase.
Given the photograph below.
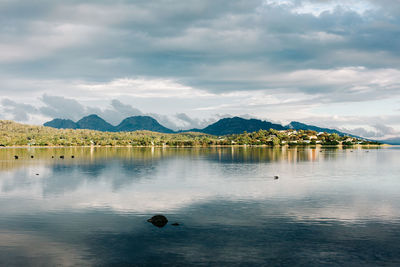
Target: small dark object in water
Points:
(32, 157)
(37, 173)
(351, 151)
(61, 157)
(52, 157)
(367, 151)
(15, 157)
(158, 220)
(175, 224)
(72, 157)
(276, 177)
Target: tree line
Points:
(16, 134)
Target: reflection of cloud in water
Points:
(315, 189)
(330, 207)
(28, 249)
(251, 234)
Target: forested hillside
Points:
(16, 134)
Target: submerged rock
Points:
(158, 220)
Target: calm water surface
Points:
(328, 207)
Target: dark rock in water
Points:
(158, 220)
(276, 177)
(61, 157)
(32, 157)
(52, 157)
(15, 157)
(72, 157)
(37, 173)
(175, 224)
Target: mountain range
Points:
(301, 126)
(235, 125)
(94, 122)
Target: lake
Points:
(327, 207)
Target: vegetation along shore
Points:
(16, 134)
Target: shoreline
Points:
(211, 146)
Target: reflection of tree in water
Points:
(91, 159)
(328, 153)
(92, 170)
(263, 154)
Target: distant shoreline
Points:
(19, 135)
(209, 146)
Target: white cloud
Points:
(318, 7)
(44, 39)
(144, 88)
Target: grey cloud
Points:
(66, 108)
(381, 131)
(124, 109)
(373, 121)
(379, 127)
(191, 123)
(177, 39)
(19, 111)
(362, 132)
(182, 121)
(164, 120)
(385, 130)
(116, 113)
(61, 107)
(175, 122)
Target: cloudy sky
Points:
(188, 63)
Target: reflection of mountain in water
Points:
(328, 207)
(92, 156)
(119, 173)
(253, 155)
(119, 168)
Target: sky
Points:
(189, 63)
